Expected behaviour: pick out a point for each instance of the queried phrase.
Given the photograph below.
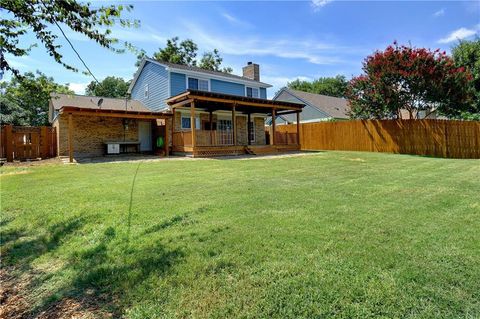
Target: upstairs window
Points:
(252, 92)
(198, 84)
(145, 93)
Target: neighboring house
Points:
(317, 108)
(195, 111)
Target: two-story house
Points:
(178, 108)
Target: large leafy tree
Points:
(185, 53)
(25, 100)
(331, 86)
(110, 87)
(467, 54)
(46, 18)
(212, 61)
(411, 79)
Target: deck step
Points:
(248, 150)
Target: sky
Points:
(288, 39)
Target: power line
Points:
(71, 45)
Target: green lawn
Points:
(333, 234)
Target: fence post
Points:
(43, 142)
(9, 142)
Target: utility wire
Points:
(71, 45)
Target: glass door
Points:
(225, 132)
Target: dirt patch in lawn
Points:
(48, 161)
(15, 303)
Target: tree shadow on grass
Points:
(17, 252)
(102, 276)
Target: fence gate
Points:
(27, 142)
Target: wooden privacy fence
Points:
(440, 138)
(27, 142)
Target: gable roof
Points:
(333, 106)
(194, 69)
(59, 100)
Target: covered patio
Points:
(214, 124)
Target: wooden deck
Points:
(231, 150)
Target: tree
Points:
(11, 112)
(185, 53)
(212, 61)
(110, 87)
(40, 16)
(411, 79)
(25, 100)
(467, 54)
(336, 86)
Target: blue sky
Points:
(301, 39)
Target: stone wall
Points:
(242, 134)
(259, 131)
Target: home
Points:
(317, 108)
(176, 108)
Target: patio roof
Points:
(219, 101)
(102, 106)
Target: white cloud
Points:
(439, 13)
(78, 88)
(459, 34)
(235, 21)
(317, 4)
(313, 51)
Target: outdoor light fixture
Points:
(125, 124)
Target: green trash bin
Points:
(160, 142)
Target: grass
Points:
(334, 234)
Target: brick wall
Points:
(89, 133)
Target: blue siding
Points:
(156, 76)
(227, 87)
(263, 93)
(177, 83)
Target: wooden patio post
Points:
(192, 124)
(272, 139)
(249, 137)
(173, 125)
(167, 150)
(298, 128)
(70, 137)
(9, 143)
(234, 127)
(211, 127)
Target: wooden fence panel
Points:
(26, 143)
(440, 138)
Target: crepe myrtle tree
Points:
(410, 79)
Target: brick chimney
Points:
(252, 71)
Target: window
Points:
(145, 93)
(252, 92)
(198, 84)
(186, 122)
(251, 130)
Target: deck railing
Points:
(203, 138)
(183, 138)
